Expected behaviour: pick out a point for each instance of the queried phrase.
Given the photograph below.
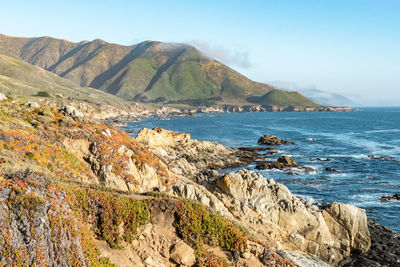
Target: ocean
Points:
(346, 138)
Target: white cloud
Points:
(228, 56)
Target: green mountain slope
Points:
(283, 99)
(20, 78)
(149, 71)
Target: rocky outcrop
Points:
(73, 112)
(32, 220)
(85, 170)
(268, 209)
(395, 197)
(272, 140)
(186, 156)
(284, 163)
(280, 218)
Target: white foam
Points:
(384, 131)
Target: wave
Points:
(384, 131)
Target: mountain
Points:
(318, 96)
(283, 99)
(148, 72)
(326, 98)
(20, 78)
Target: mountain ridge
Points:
(149, 71)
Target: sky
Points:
(349, 47)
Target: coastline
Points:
(169, 111)
(105, 164)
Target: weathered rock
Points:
(2, 97)
(273, 141)
(328, 234)
(395, 197)
(106, 132)
(185, 155)
(288, 161)
(384, 251)
(183, 254)
(284, 163)
(73, 112)
(30, 227)
(33, 105)
(302, 259)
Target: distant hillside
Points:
(326, 98)
(283, 99)
(148, 72)
(20, 78)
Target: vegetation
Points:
(23, 80)
(198, 225)
(284, 99)
(44, 184)
(43, 94)
(108, 213)
(147, 72)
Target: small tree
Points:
(43, 94)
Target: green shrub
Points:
(197, 224)
(43, 94)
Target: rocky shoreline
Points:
(166, 112)
(160, 199)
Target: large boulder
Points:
(73, 112)
(272, 140)
(183, 254)
(354, 221)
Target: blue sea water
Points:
(345, 138)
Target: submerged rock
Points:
(284, 163)
(273, 140)
(329, 169)
(395, 197)
(381, 158)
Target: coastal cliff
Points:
(77, 192)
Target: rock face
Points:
(272, 140)
(329, 233)
(280, 218)
(186, 156)
(33, 218)
(384, 251)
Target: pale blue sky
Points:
(351, 47)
